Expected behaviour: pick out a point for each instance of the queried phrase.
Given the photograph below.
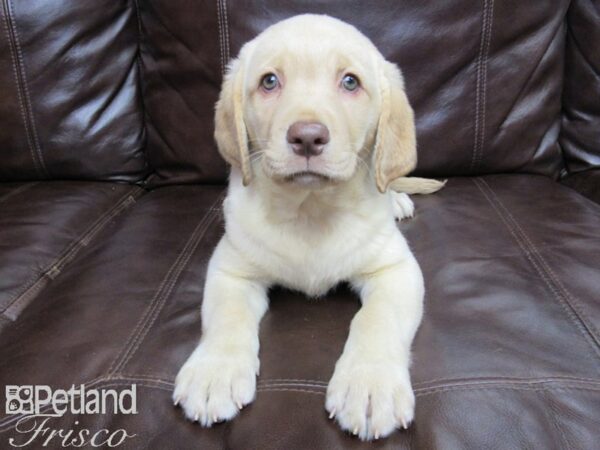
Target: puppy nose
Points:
(308, 138)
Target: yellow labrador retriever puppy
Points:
(317, 128)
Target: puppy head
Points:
(309, 101)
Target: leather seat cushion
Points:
(44, 225)
(507, 354)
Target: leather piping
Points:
(138, 60)
(481, 83)
(223, 25)
(16, 54)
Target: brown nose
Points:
(308, 138)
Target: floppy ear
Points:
(396, 143)
(230, 129)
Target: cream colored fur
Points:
(311, 232)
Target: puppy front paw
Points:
(213, 385)
(370, 399)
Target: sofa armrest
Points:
(587, 183)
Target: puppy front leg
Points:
(370, 393)
(219, 377)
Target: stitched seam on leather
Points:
(458, 383)
(169, 386)
(307, 385)
(26, 100)
(293, 380)
(481, 83)
(448, 381)
(305, 391)
(485, 78)
(127, 383)
(420, 393)
(138, 60)
(18, 190)
(571, 314)
(10, 39)
(164, 291)
(156, 377)
(515, 383)
(226, 49)
(39, 280)
(13, 56)
(221, 39)
(571, 301)
(510, 379)
(104, 382)
(514, 388)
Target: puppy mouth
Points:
(308, 178)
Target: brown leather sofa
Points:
(110, 199)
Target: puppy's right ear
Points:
(230, 129)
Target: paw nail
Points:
(404, 425)
(376, 435)
(196, 417)
(332, 414)
(239, 405)
(176, 401)
(355, 432)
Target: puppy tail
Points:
(415, 185)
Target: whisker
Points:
(256, 155)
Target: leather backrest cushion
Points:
(69, 81)
(485, 78)
(580, 134)
(182, 64)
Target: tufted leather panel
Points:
(71, 105)
(486, 87)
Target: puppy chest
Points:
(310, 262)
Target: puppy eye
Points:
(350, 82)
(269, 82)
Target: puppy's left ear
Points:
(230, 128)
(396, 143)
